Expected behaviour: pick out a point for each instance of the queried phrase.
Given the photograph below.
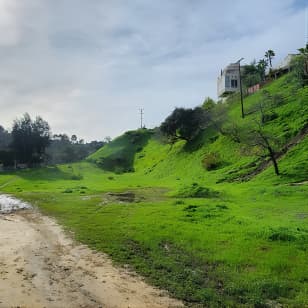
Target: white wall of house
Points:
(285, 63)
(229, 80)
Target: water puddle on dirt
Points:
(9, 204)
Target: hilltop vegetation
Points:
(207, 219)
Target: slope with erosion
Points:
(204, 235)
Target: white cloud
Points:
(9, 34)
(87, 66)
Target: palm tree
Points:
(269, 55)
(261, 67)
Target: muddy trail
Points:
(41, 266)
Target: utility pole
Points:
(241, 89)
(306, 27)
(141, 117)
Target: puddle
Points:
(136, 196)
(9, 204)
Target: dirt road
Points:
(40, 266)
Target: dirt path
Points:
(40, 266)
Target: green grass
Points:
(206, 239)
(118, 156)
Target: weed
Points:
(283, 235)
(191, 208)
(179, 202)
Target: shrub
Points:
(179, 202)
(282, 234)
(267, 117)
(196, 191)
(277, 100)
(76, 177)
(211, 161)
(191, 208)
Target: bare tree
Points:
(257, 135)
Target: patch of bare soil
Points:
(150, 194)
(40, 266)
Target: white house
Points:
(229, 80)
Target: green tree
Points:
(261, 67)
(300, 66)
(208, 104)
(250, 74)
(30, 139)
(183, 124)
(5, 139)
(269, 55)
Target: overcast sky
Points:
(87, 66)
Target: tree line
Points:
(31, 143)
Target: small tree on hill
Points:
(258, 135)
(183, 124)
(300, 66)
(261, 67)
(208, 104)
(251, 74)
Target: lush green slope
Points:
(118, 156)
(206, 236)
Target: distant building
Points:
(229, 80)
(284, 66)
(286, 62)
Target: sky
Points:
(88, 66)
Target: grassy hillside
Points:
(211, 237)
(118, 156)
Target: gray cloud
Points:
(87, 66)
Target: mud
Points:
(41, 266)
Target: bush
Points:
(277, 100)
(196, 191)
(283, 235)
(184, 124)
(211, 161)
(267, 117)
(179, 202)
(76, 177)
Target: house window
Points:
(233, 83)
(227, 82)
